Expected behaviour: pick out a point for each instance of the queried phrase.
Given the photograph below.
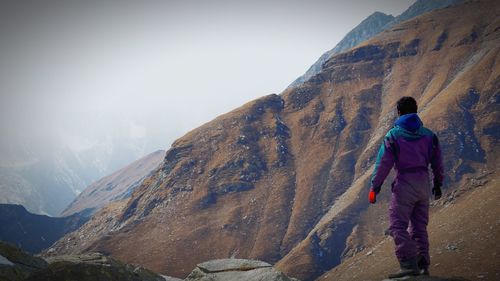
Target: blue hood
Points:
(410, 122)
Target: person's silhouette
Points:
(410, 148)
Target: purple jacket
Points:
(410, 148)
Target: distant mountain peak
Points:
(377, 15)
(116, 186)
(371, 26)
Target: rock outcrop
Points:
(16, 265)
(236, 269)
(91, 267)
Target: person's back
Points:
(410, 148)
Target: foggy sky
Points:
(74, 71)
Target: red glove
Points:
(372, 197)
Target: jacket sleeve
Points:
(437, 162)
(384, 163)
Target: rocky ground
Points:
(16, 265)
(463, 234)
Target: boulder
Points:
(236, 269)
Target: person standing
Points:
(410, 148)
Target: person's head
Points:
(407, 105)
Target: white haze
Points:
(79, 73)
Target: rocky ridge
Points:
(371, 26)
(31, 232)
(117, 186)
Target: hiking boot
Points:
(424, 271)
(422, 266)
(408, 268)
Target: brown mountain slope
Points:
(117, 186)
(464, 233)
(283, 178)
(456, 81)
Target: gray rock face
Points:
(371, 26)
(420, 7)
(231, 264)
(368, 28)
(236, 269)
